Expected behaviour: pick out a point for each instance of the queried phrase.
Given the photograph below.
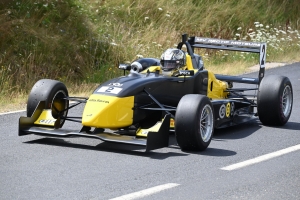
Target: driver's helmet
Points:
(172, 59)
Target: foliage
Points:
(82, 41)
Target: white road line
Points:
(146, 192)
(12, 112)
(262, 158)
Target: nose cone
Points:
(103, 111)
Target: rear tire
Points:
(194, 122)
(275, 100)
(52, 92)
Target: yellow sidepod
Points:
(216, 88)
(112, 112)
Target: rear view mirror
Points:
(125, 66)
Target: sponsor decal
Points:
(226, 42)
(186, 72)
(144, 132)
(47, 121)
(245, 43)
(248, 79)
(99, 100)
(172, 122)
(232, 108)
(222, 111)
(115, 84)
(228, 110)
(108, 89)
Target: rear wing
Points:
(230, 45)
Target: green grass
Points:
(81, 42)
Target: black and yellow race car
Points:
(175, 93)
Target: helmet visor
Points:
(169, 65)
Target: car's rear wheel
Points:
(275, 100)
(194, 122)
(53, 93)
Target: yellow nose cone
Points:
(103, 111)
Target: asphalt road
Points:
(35, 167)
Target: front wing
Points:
(155, 138)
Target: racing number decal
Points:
(228, 110)
(109, 89)
(113, 90)
(262, 55)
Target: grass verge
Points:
(80, 42)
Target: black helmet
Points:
(172, 59)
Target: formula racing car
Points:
(157, 96)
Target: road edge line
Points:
(261, 158)
(12, 112)
(146, 192)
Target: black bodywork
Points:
(156, 96)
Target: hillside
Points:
(79, 41)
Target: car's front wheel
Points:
(194, 122)
(54, 94)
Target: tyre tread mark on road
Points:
(261, 158)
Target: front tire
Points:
(194, 122)
(275, 100)
(53, 93)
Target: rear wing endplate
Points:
(230, 45)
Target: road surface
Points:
(249, 161)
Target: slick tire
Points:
(52, 92)
(275, 100)
(194, 122)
